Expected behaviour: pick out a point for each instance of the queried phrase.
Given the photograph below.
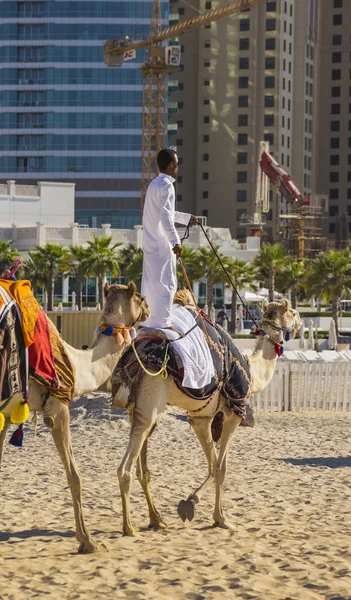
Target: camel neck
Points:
(262, 364)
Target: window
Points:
(334, 160)
(205, 176)
(206, 101)
(181, 11)
(335, 109)
(208, 5)
(207, 63)
(337, 40)
(269, 82)
(241, 177)
(336, 57)
(244, 44)
(181, 87)
(333, 211)
(270, 44)
(334, 143)
(349, 176)
(337, 3)
(207, 82)
(269, 120)
(270, 62)
(31, 9)
(269, 101)
(269, 137)
(243, 101)
(337, 19)
(180, 124)
(270, 24)
(331, 227)
(179, 142)
(205, 194)
(180, 105)
(241, 195)
(334, 177)
(179, 197)
(206, 138)
(271, 6)
(31, 54)
(243, 83)
(243, 120)
(336, 74)
(336, 92)
(242, 139)
(30, 76)
(205, 157)
(206, 120)
(244, 24)
(334, 194)
(335, 126)
(242, 158)
(207, 44)
(244, 62)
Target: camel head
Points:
(279, 319)
(124, 306)
(183, 297)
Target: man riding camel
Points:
(161, 242)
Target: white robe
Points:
(159, 282)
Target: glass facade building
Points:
(65, 115)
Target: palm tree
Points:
(134, 269)
(52, 258)
(210, 268)
(102, 258)
(34, 270)
(244, 276)
(291, 278)
(75, 264)
(270, 260)
(7, 254)
(329, 276)
(190, 260)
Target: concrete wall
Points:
(24, 205)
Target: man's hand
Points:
(177, 249)
(193, 220)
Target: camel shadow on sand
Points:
(331, 462)
(29, 533)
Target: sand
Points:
(287, 494)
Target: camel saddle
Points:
(231, 377)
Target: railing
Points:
(310, 386)
(27, 190)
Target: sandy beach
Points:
(287, 493)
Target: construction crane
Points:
(155, 71)
(304, 233)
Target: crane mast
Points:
(155, 74)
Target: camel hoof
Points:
(156, 525)
(186, 510)
(91, 547)
(130, 533)
(224, 525)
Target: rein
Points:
(114, 330)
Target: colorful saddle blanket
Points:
(232, 373)
(30, 345)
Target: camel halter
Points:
(124, 330)
(278, 346)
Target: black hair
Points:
(165, 157)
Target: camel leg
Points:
(150, 403)
(3, 434)
(230, 424)
(143, 475)
(56, 417)
(202, 429)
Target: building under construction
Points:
(301, 229)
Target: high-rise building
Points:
(243, 79)
(65, 115)
(334, 107)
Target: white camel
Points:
(150, 402)
(124, 307)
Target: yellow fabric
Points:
(21, 291)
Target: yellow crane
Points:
(155, 71)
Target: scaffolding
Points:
(301, 230)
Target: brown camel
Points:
(124, 306)
(150, 402)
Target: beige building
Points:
(334, 165)
(244, 79)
